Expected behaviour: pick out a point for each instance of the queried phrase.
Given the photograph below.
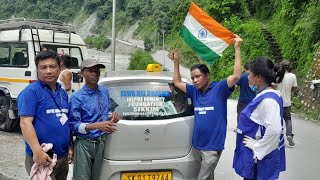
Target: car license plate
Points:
(161, 175)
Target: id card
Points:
(63, 119)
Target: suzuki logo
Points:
(147, 131)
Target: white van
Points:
(20, 40)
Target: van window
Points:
(13, 55)
(73, 52)
(149, 100)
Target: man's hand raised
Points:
(174, 56)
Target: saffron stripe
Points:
(211, 41)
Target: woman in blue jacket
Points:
(259, 152)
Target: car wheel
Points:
(6, 124)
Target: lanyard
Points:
(55, 99)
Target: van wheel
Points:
(6, 124)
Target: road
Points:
(121, 60)
(162, 58)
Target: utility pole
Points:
(158, 34)
(155, 41)
(113, 42)
(164, 54)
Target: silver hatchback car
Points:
(153, 137)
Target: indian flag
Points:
(205, 35)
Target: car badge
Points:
(147, 131)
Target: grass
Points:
(299, 109)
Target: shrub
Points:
(140, 59)
(99, 42)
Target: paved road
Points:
(162, 58)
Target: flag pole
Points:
(176, 43)
(181, 26)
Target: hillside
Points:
(278, 29)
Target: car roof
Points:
(138, 75)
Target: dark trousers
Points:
(255, 173)
(88, 157)
(60, 171)
(240, 107)
(209, 162)
(287, 119)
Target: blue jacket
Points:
(47, 107)
(89, 106)
(210, 115)
(271, 165)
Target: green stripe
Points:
(196, 45)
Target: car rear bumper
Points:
(184, 168)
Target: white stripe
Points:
(211, 41)
(82, 128)
(51, 111)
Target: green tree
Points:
(140, 60)
(103, 12)
(134, 8)
(148, 45)
(121, 4)
(91, 5)
(99, 42)
(224, 9)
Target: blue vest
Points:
(246, 94)
(271, 165)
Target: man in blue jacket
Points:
(43, 109)
(91, 120)
(210, 109)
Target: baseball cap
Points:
(90, 63)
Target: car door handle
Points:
(27, 73)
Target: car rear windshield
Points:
(149, 100)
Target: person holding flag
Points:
(210, 109)
(208, 39)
